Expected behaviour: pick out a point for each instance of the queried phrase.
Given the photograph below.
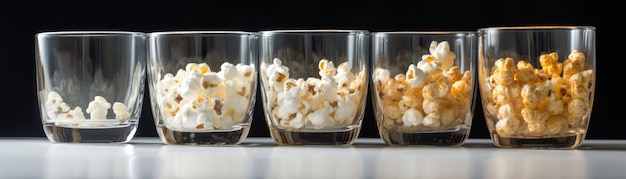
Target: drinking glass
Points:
(423, 86)
(314, 85)
(202, 85)
(90, 84)
(537, 84)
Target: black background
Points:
(21, 20)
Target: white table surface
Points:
(262, 158)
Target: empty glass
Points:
(537, 84)
(424, 86)
(314, 85)
(90, 84)
(202, 85)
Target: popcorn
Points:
(59, 112)
(98, 108)
(246, 73)
(442, 54)
(55, 105)
(121, 114)
(319, 118)
(433, 94)
(210, 83)
(550, 100)
(412, 117)
(330, 100)
(415, 77)
(74, 114)
(197, 98)
(550, 64)
(507, 126)
(277, 74)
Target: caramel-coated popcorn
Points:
(530, 101)
(432, 94)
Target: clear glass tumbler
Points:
(202, 85)
(424, 86)
(537, 84)
(314, 85)
(90, 84)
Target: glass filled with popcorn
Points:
(202, 85)
(423, 86)
(314, 85)
(90, 84)
(537, 84)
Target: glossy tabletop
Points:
(262, 158)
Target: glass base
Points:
(233, 136)
(335, 136)
(568, 141)
(452, 137)
(102, 131)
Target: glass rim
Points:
(87, 33)
(200, 32)
(524, 28)
(424, 33)
(312, 31)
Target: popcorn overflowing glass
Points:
(424, 86)
(202, 85)
(537, 84)
(90, 85)
(314, 85)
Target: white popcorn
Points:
(201, 68)
(98, 108)
(180, 75)
(432, 120)
(55, 105)
(74, 114)
(232, 86)
(169, 104)
(442, 54)
(429, 65)
(296, 122)
(198, 98)
(318, 118)
(332, 99)
(121, 113)
(237, 104)
(346, 109)
(187, 117)
(416, 77)
(225, 122)
(246, 72)
(412, 117)
(327, 68)
(210, 83)
(228, 71)
(277, 74)
(191, 85)
(343, 80)
(381, 75)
